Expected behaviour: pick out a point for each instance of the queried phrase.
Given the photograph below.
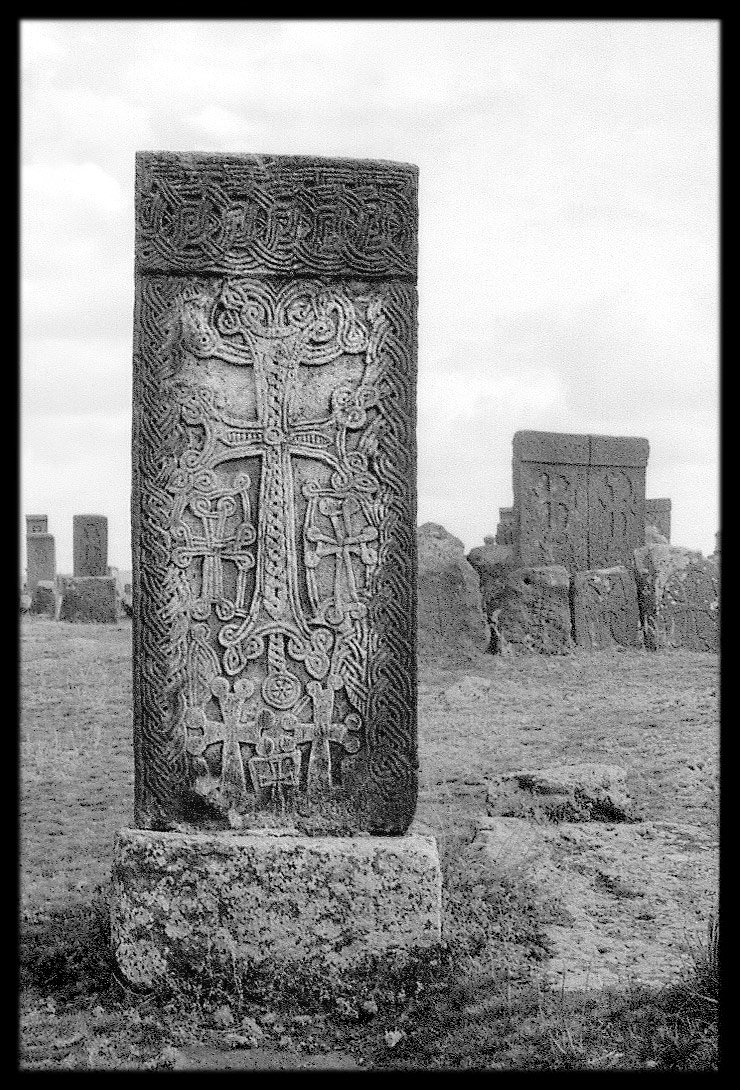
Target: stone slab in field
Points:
(91, 599)
(90, 545)
(449, 607)
(44, 598)
(658, 514)
(273, 491)
(678, 593)
(579, 500)
(40, 559)
(605, 610)
(529, 610)
(225, 899)
(592, 791)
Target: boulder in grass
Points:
(569, 792)
(449, 608)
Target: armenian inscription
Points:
(579, 500)
(273, 502)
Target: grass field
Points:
(481, 1001)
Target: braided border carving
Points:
(275, 216)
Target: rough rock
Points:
(653, 536)
(678, 595)
(213, 899)
(449, 607)
(528, 609)
(582, 792)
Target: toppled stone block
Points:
(605, 611)
(225, 900)
(568, 792)
(678, 595)
(528, 609)
(449, 607)
(44, 599)
(90, 598)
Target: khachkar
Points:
(273, 512)
(40, 552)
(579, 500)
(89, 545)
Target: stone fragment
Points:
(44, 599)
(468, 691)
(273, 506)
(658, 515)
(678, 595)
(92, 599)
(449, 609)
(40, 559)
(226, 901)
(529, 610)
(568, 792)
(605, 611)
(90, 545)
(25, 602)
(653, 536)
(579, 500)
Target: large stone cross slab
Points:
(273, 504)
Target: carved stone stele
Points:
(89, 545)
(273, 495)
(41, 562)
(579, 500)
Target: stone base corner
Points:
(244, 899)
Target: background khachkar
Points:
(273, 502)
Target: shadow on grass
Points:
(66, 952)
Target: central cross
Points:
(276, 330)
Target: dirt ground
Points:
(654, 714)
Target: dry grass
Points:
(481, 1005)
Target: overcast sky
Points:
(568, 265)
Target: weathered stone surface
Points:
(44, 599)
(273, 513)
(25, 602)
(90, 545)
(569, 792)
(223, 899)
(579, 500)
(37, 524)
(449, 610)
(658, 514)
(653, 536)
(40, 559)
(91, 598)
(506, 529)
(528, 608)
(605, 611)
(678, 594)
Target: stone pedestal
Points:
(210, 900)
(90, 599)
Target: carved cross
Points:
(342, 546)
(231, 730)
